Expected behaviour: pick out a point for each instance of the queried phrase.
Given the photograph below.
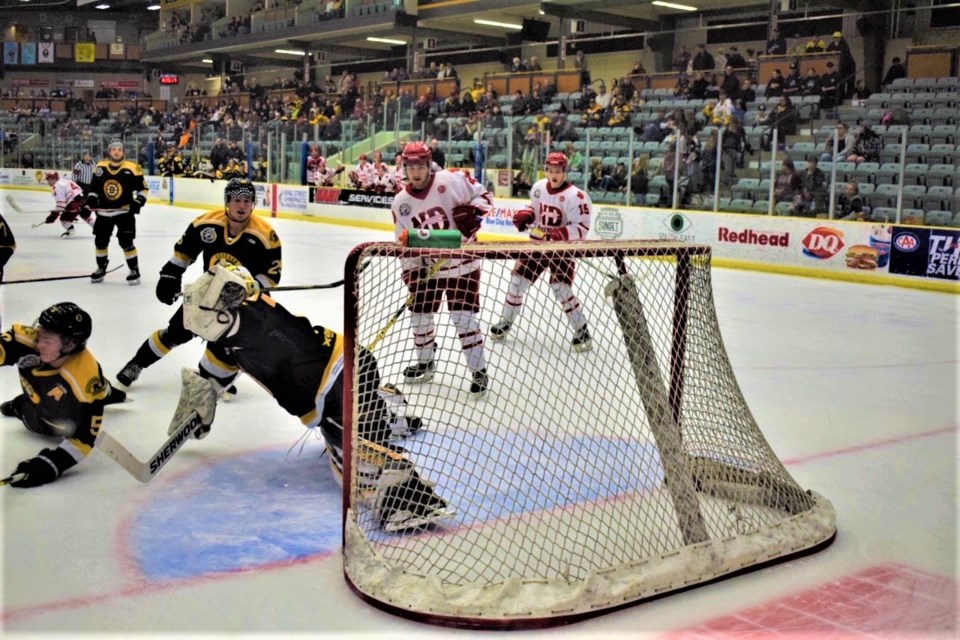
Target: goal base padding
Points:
(538, 604)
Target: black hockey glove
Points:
(39, 470)
(92, 200)
(169, 285)
(138, 201)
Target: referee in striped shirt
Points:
(83, 172)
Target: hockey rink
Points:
(854, 386)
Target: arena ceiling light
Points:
(102, 5)
(153, 7)
(670, 5)
(385, 40)
(207, 61)
(292, 52)
(494, 23)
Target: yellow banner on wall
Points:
(85, 52)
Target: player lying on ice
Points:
(301, 365)
(64, 390)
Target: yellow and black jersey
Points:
(171, 166)
(7, 240)
(257, 248)
(295, 361)
(116, 185)
(67, 400)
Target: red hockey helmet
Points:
(556, 159)
(417, 152)
(51, 175)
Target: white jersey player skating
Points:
(442, 200)
(70, 203)
(558, 212)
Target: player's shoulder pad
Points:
(103, 164)
(133, 167)
(217, 217)
(82, 372)
(263, 230)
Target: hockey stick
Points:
(17, 477)
(434, 269)
(303, 287)
(51, 279)
(16, 207)
(145, 470)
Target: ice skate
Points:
(69, 232)
(129, 374)
(11, 408)
(478, 386)
(133, 278)
(420, 372)
(229, 393)
(500, 330)
(582, 341)
(98, 275)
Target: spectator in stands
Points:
(735, 59)
(640, 175)
(682, 60)
(813, 47)
(733, 147)
(777, 44)
(421, 112)
(616, 180)
(811, 84)
(333, 130)
(535, 102)
(720, 60)
(580, 64)
(521, 185)
(566, 131)
(845, 143)
(850, 203)
(753, 64)
(703, 61)
(682, 89)
(467, 105)
(494, 118)
(731, 83)
(597, 174)
(438, 155)
(866, 146)
(698, 90)
(219, 154)
(848, 66)
(519, 105)
(638, 69)
(586, 96)
(747, 92)
(535, 64)
(789, 185)
(517, 65)
(447, 71)
(603, 98)
(861, 92)
(775, 84)
(451, 105)
(814, 189)
(783, 118)
(829, 85)
(575, 160)
(793, 82)
(708, 162)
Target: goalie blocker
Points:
(250, 332)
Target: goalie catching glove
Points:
(209, 303)
(467, 219)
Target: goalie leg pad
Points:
(197, 394)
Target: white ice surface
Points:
(854, 386)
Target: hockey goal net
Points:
(582, 481)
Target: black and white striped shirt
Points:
(83, 173)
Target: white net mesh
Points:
(588, 475)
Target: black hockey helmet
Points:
(69, 321)
(239, 188)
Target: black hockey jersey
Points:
(66, 400)
(296, 362)
(257, 248)
(116, 185)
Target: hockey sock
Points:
(515, 293)
(571, 306)
(130, 253)
(102, 259)
(471, 338)
(424, 335)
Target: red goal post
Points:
(582, 481)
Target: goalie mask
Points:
(210, 302)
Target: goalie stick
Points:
(434, 269)
(52, 278)
(195, 411)
(145, 470)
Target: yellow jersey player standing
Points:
(118, 192)
(64, 390)
(232, 235)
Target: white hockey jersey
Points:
(566, 207)
(65, 191)
(365, 175)
(432, 208)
